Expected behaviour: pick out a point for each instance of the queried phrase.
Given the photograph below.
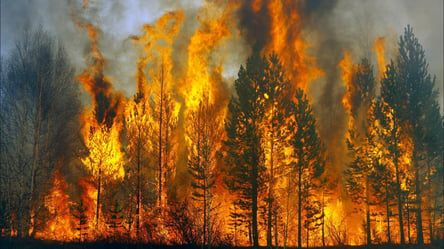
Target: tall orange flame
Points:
(288, 42)
(379, 48)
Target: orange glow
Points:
(379, 48)
(201, 76)
(288, 42)
(348, 69)
(59, 226)
(185, 65)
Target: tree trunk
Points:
(299, 205)
(368, 228)
(276, 232)
(387, 207)
(160, 141)
(408, 220)
(419, 229)
(288, 210)
(399, 194)
(270, 196)
(35, 156)
(139, 190)
(254, 202)
(99, 183)
(323, 219)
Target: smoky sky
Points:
(331, 27)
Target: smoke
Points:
(357, 23)
(331, 27)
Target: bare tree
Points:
(37, 123)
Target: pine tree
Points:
(275, 135)
(82, 225)
(138, 124)
(307, 158)
(115, 218)
(390, 119)
(408, 92)
(245, 155)
(421, 109)
(204, 135)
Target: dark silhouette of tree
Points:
(204, 135)
(236, 222)
(245, 155)
(421, 110)
(115, 218)
(138, 124)
(408, 91)
(383, 174)
(39, 124)
(163, 107)
(275, 134)
(307, 158)
(392, 97)
(79, 212)
(360, 95)
(180, 220)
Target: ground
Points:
(36, 244)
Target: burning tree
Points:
(140, 173)
(204, 144)
(79, 212)
(307, 154)
(101, 127)
(408, 90)
(358, 101)
(156, 48)
(38, 127)
(245, 153)
(115, 218)
(275, 137)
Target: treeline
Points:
(256, 169)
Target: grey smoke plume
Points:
(353, 24)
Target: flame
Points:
(59, 223)
(198, 73)
(155, 44)
(379, 48)
(348, 69)
(202, 72)
(288, 42)
(100, 129)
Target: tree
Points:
(39, 112)
(360, 96)
(307, 157)
(408, 91)
(383, 174)
(204, 135)
(163, 107)
(391, 119)
(138, 123)
(275, 135)
(421, 110)
(105, 159)
(245, 155)
(115, 218)
(79, 213)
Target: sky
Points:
(353, 22)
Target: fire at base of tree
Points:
(198, 159)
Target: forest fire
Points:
(223, 140)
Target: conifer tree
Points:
(245, 155)
(307, 158)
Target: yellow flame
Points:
(379, 48)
